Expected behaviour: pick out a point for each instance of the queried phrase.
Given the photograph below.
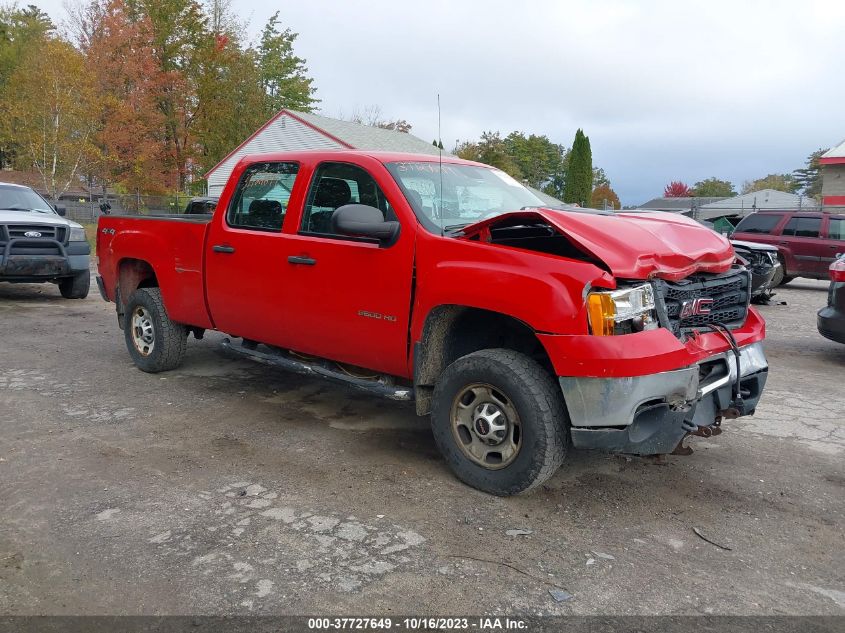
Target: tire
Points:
(75, 287)
(155, 343)
(781, 278)
(530, 399)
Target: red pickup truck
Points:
(521, 329)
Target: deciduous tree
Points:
(121, 59)
(491, 150)
(676, 189)
(778, 182)
(605, 198)
(53, 109)
(713, 188)
(21, 31)
(538, 159)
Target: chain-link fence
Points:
(89, 208)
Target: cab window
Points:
(262, 197)
(335, 185)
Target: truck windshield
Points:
(22, 199)
(458, 195)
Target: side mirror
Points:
(361, 220)
(61, 210)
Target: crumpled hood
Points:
(29, 217)
(633, 245)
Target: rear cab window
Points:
(761, 223)
(261, 200)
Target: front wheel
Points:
(75, 287)
(500, 422)
(155, 342)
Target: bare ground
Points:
(226, 487)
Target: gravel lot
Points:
(227, 487)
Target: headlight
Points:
(77, 234)
(622, 311)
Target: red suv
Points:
(807, 242)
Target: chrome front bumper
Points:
(651, 414)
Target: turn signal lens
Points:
(602, 313)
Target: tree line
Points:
(805, 180)
(566, 173)
(139, 95)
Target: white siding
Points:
(282, 135)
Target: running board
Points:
(381, 386)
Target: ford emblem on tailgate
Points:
(32, 234)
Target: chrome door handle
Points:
(303, 260)
(223, 248)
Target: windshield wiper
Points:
(455, 229)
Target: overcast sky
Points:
(666, 90)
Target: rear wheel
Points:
(499, 420)
(155, 343)
(75, 287)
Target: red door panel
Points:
(350, 301)
(245, 259)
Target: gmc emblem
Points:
(696, 307)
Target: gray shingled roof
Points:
(369, 138)
(765, 199)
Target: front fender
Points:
(546, 292)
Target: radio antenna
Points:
(440, 161)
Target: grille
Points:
(729, 292)
(19, 231)
(45, 244)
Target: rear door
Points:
(802, 244)
(835, 241)
(349, 299)
(246, 265)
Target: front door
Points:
(246, 263)
(349, 299)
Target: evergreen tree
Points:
(809, 179)
(283, 74)
(579, 174)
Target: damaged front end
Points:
(629, 386)
(652, 414)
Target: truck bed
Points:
(172, 245)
